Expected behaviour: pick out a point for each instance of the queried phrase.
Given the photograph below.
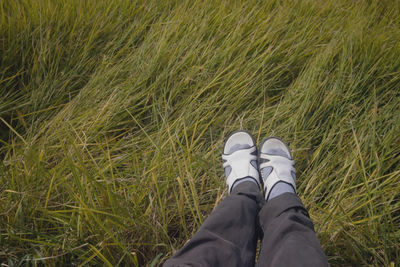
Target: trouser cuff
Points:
(251, 190)
(278, 205)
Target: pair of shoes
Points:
(274, 161)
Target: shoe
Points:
(276, 167)
(239, 158)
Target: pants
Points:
(229, 235)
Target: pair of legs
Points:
(229, 235)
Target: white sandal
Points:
(241, 163)
(276, 164)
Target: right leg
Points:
(288, 232)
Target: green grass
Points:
(113, 116)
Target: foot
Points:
(239, 158)
(276, 168)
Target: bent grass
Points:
(113, 115)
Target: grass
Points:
(113, 114)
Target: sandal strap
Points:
(240, 154)
(282, 169)
(240, 163)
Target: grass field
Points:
(113, 116)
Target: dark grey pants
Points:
(229, 235)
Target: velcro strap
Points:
(282, 169)
(240, 154)
(240, 163)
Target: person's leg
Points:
(288, 232)
(228, 237)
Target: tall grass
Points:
(113, 115)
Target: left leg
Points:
(228, 237)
